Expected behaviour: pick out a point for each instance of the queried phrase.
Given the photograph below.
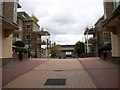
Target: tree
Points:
(19, 47)
(106, 47)
(35, 18)
(54, 50)
(93, 48)
(79, 48)
(19, 44)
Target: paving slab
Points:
(78, 73)
(14, 70)
(71, 70)
(103, 73)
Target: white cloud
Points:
(65, 18)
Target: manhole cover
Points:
(55, 82)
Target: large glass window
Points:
(15, 11)
(116, 3)
(0, 8)
(68, 53)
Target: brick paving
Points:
(104, 74)
(79, 73)
(12, 71)
(73, 72)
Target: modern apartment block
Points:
(31, 34)
(111, 23)
(8, 23)
(103, 37)
(100, 37)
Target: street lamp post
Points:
(46, 46)
(87, 44)
(83, 40)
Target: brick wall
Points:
(88, 55)
(15, 56)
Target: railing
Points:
(92, 40)
(36, 29)
(40, 41)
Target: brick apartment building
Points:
(100, 37)
(8, 23)
(31, 34)
(111, 23)
(103, 37)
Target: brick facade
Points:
(9, 24)
(112, 24)
(29, 26)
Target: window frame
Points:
(1, 7)
(116, 3)
(27, 27)
(26, 37)
(15, 11)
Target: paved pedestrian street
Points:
(74, 71)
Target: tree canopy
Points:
(54, 50)
(19, 44)
(79, 48)
(35, 18)
(106, 47)
(19, 47)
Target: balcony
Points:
(90, 31)
(92, 40)
(9, 27)
(42, 33)
(110, 24)
(41, 42)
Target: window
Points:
(28, 37)
(28, 26)
(17, 35)
(68, 53)
(0, 8)
(15, 11)
(106, 35)
(105, 16)
(116, 3)
(39, 36)
(20, 29)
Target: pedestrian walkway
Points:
(77, 73)
(14, 70)
(103, 73)
(71, 70)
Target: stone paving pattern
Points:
(73, 72)
(104, 72)
(16, 69)
(79, 73)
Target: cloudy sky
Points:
(66, 20)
